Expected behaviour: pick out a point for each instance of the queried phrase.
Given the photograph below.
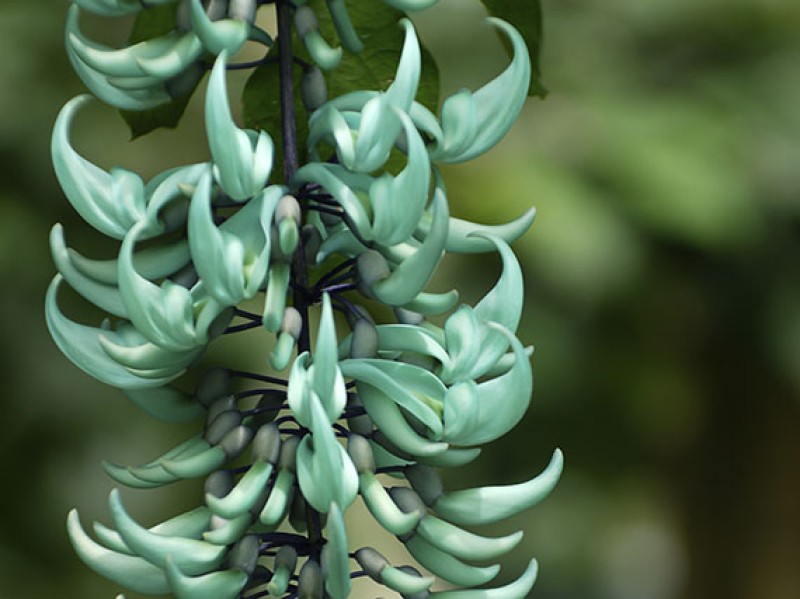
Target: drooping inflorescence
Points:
(284, 453)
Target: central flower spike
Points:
(359, 229)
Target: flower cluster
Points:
(399, 397)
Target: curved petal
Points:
(111, 203)
(226, 584)
(242, 164)
(492, 109)
(336, 556)
(80, 343)
(519, 589)
(411, 275)
(225, 35)
(131, 572)
(486, 505)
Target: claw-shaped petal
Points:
(225, 584)
(132, 572)
(479, 413)
(463, 544)
(225, 35)
(232, 260)
(170, 316)
(81, 344)
(410, 277)
(519, 589)
(191, 555)
(242, 158)
(111, 202)
(445, 566)
(152, 263)
(474, 122)
(415, 389)
(105, 297)
(398, 202)
(335, 555)
(166, 403)
(486, 505)
(465, 237)
(324, 470)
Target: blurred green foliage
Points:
(663, 297)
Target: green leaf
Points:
(372, 69)
(527, 18)
(153, 22)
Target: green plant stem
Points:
(299, 267)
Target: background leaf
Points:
(151, 23)
(527, 18)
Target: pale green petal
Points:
(476, 414)
(390, 420)
(411, 5)
(411, 276)
(242, 160)
(226, 584)
(169, 315)
(325, 473)
(166, 403)
(403, 89)
(196, 465)
(190, 525)
(105, 297)
(519, 589)
(462, 335)
(229, 531)
(280, 497)
(496, 106)
(329, 124)
(98, 84)
(501, 305)
(129, 571)
(81, 345)
(111, 203)
(433, 303)
(275, 300)
(244, 495)
(113, 62)
(404, 582)
(182, 52)
(336, 556)
(486, 505)
(448, 567)
(378, 127)
(382, 508)
(131, 349)
(152, 263)
(344, 26)
(191, 555)
(225, 35)
(297, 392)
(232, 260)
(453, 457)
(465, 237)
(411, 387)
(464, 544)
(398, 202)
(410, 338)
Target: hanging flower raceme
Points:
(285, 453)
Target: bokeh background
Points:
(663, 298)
